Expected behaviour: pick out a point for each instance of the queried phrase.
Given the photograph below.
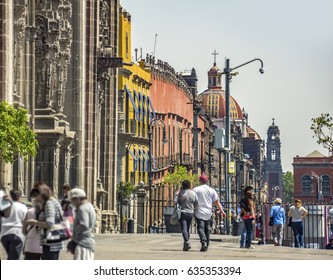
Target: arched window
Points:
(326, 184)
(306, 185)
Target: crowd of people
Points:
(24, 230)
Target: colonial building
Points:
(313, 176)
(57, 62)
(135, 111)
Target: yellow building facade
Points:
(135, 110)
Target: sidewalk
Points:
(169, 247)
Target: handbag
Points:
(175, 216)
(289, 223)
(271, 219)
(58, 232)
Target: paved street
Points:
(169, 247)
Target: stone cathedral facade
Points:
(51, 60)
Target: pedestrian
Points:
(50, 214)
(243, 230)
(330, 218)
(188, 200)
(248, 210)
(82, 245)
(207, 198)
(32, 248)
(67, 207)
(11, 230)
(297, 213)
(279, 216)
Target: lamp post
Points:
(227, 71)
(150, 174)
(181, 144)
(319, 192)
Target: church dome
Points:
(213, 99)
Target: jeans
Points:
(249, 232)
(298, 234)
(185, 224)
(243, 235)
(203, 228)
(331, 233)
(13, 246)
(48, 255)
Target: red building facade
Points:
(313, 176)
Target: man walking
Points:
(207, 198)
(11, 231)
(83, 242)
(279, 216)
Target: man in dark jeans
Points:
(207, 198)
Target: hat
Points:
(77, 193)
(203, 178)
(278, 200)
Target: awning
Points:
(145, 155)
(129, 93)
(134, 157)
(152, 115)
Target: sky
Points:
(294, 39)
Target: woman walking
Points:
(50, 214)
(187, 199)
(297, 213)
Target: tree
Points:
(126, 189)
(323, 130)
(16, 137)
(179, 175)
(288, 186)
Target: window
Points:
(326, 185)
(273, 154)
(306, 185)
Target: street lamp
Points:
(181, 144)
(150, 174)
(319, 192)
(227, 71)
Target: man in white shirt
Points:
(11, 230)
(207, 198)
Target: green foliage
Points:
(323, 130)
(288, 187)
(126, 188)
(179, 175)
(16, 137)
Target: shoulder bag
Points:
(59, 231)
(175, 216)
(271, 219)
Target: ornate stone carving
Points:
(53, 44)
(20, 22)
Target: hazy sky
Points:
(294, 38)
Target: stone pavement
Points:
(169, 247)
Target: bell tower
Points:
(272, 163)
